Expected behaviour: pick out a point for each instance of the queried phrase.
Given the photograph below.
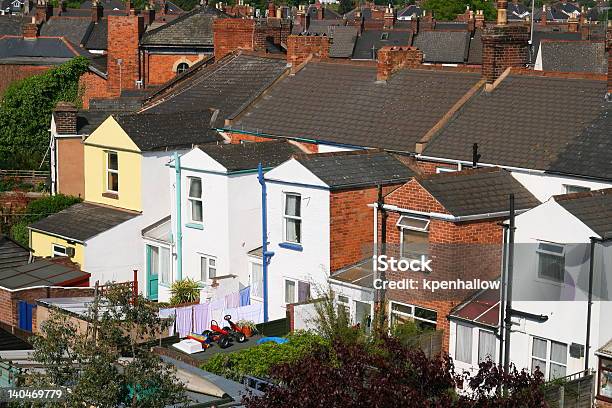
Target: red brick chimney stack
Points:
(503, 46)
(271, 10)
(609, 95)
(128, 7)
(471, 23)
(302, 47)
(479, 19)
(544, 18)
(65, 117)
(124, 34)
(44, 11)
(97, 11)
(392, 59)
(572, 25)
(30, 30)
(148, 15)
(389, 18)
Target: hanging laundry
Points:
(232, 300)
(201, 317)
(245, 296)
(252, 312)
(184, 320)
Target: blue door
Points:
(152, 271)
(25, 315)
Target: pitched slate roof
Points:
(190, 29)
(12, 254)
(227, 85)
(593, 208)
(409, 11)
(72, 28)
(353, 108)
(158, 131)
(321, 26)
(88, 121)
(82, 221)
(370, 41)
(41, 272)
(517, 11)
(525, 122)
(443, 46)
(37, 51)
(538, 36)
(451, 25)
(475, 50)
(237, 157)
(356, 169)
(98, 36)
(343, 41)
(12, 25)
(480, 191)
(574, 56)
(9, 341)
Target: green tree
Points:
(37, 210)
(345, 6)
(25, 111)
(105, 366)
(449, 10)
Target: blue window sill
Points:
(293, 247)
(194, 226)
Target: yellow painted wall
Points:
(110, 136)
(42, 244)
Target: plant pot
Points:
(247, 331)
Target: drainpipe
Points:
(509, 273)
(381, 250)
(502, 314)
(265, 254)
(179, 228)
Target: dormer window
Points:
(112, 172)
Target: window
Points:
(414, 236)
(486, 346)
(195, 199)
(384, 36)
(604, 390)
(256, 280)
(343, 304)
(293, 218)
(463, 345)
(165, 266)
(401, 313)
(550, 357)
(59, 250)
(208, 268)
(575, 189)
(112, 172)
(551, 261)
(182, 67)
(296, 291)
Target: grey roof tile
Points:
(343, 41)
(593, 208)
(574, 56)
(83, 221)
(443, 46)
(72, 28)
(475, 50)
(12, 25)
(370, 41)
(247, 156)
(98, 37)
(12, 254)
(356, 169)
(525, 122)
(155, 131)
(9, 342)
(480, 191)
(352, 108)
(41, 272)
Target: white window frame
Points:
(560, 254)
(548, 360)
(208, 258)
(63, 251)
(192, 199)
(287, 217)
(402, 227)
(109, 171)
(346, 304)
(410, 315)
(296, 294)
(582, 189)
(178, 67)
(445, 170)
(494, 356)
(160, 264)
(251, 263)
(470, 342)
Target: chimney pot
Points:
(502, 16)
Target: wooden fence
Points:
(573, 391)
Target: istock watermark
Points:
(385, 263)
(436, 285)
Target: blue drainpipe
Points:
(179, 228)
(266, 255)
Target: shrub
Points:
(184, 291)
(258, 360)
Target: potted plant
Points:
(185, 291)
(248, 327)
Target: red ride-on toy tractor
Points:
(218, 335)
(234, 330)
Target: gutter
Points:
(69, 240)
(448, 217)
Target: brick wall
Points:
(70, 166)
(236, 138)
(300, 47)
(392, 59)
(160, 68)
(93, 86)
(467, 250)
(231, 34)
(602, 404)
(503, 47)
(124, 33)
(352, 225)
(10, 73)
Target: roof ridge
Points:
(309, 156)
(463, 172)
(583, 194)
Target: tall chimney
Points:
(148, 15)
(391, 59)
(65, 117)
(389, 18)
(609, 95)
(44, 11)
(30, 30)
(544, 17)
(503, 46)
(502, 12)
(123, 65)
(572, 25)
(479, 20)
(471, 23)
(97, 11)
